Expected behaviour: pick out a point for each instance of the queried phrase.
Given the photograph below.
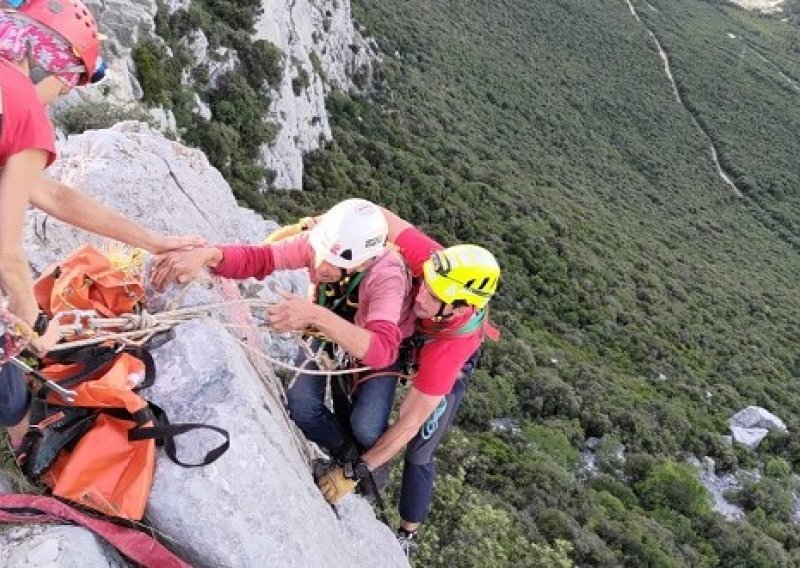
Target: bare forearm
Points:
(396, 224)
(16, 282)
(79, 209)
(391, 442)
(21, 172)
(353, 339)
(414, 411)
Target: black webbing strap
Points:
(145, 357)
(372, 487)
(164, 433)
(93, 358)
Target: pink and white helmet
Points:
(73, 21)
(350, 233)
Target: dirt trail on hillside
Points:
(668, 70)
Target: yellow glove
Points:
(335, 485)
(289, 230)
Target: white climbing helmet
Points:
(350, 233)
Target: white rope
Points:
(301, 370)
(141, 327)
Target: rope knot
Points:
(143, 321)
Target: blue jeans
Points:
(371, 405)
(14, 396)
(419, 470)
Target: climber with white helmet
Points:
(47, 47)
(361, 303)
(452, 289)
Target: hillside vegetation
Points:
(641, 302)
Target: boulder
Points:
(35, 545)
(749, 437)
(752, 424)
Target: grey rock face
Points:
(257, 505)
(718, 486)
(135, 170)
(49, 546)
(317, 38)
(124, 23)
(7, 485)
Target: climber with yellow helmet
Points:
(455, 285)
(47, 47)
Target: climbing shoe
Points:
(408, 541)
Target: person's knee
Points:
(367, 432)
(305, 399)
(368, 423)
(14, 396)
(303, 409)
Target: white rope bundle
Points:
(138, 328)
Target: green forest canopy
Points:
(549, 132)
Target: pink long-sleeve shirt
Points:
(384, 295)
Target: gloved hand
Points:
(334, 485)
(289, 230)
(339, 481)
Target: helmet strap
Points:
(440, 315)
(37, 74)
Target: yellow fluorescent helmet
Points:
(466, 273)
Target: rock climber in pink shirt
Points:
(361, 303)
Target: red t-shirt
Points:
(25, 123)
(440, 360)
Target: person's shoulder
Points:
(413, 238)
(293, 252)
(18, 91)
(389, 264)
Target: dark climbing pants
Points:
(369, 412)
(419, 470)
(14, 396)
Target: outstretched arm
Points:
(183, 266)
(21, 171)
(81, 210)
(228, 261)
